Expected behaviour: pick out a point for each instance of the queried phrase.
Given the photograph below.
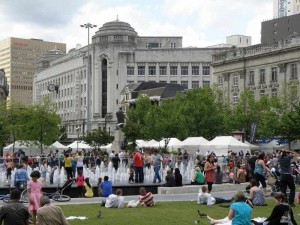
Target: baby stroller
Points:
(274, 181)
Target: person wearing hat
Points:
(15, 212)
(198, 177)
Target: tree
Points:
(136, 119)
(41, 123)
(98, 137)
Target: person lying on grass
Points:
(205, 198)
(239, 212)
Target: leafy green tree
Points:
(98, 137)
(41, 123)
(136, 120)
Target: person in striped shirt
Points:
(146, 198)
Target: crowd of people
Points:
(208, 170)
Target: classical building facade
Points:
(4, 89)
(118, 56)
(18, 57)
(264, 69)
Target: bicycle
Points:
(23, 198)
(58, 195)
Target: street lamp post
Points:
(88, 121)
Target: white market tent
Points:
(252, 147)
(81, 145)
(271, 146)
(192, 144)
(57, 145)
(141, 143)
(106, 147)
(173, 144)
(295, 145)
(150, 143)
(29, 147)
(222, 144)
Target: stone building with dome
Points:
(118, 56)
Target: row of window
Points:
(20, 87)
(184, 83)
(64, 80)
(262, 76)
(162, 70)
(273, 92)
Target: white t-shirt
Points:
(114, 201)
(206, 198)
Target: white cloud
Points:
(200, 22)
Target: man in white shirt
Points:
(205, 198)
(115, 200)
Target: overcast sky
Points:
(200, 22)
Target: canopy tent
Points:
(29, 147)
(173, 144)
(252, 147)
(57, 145)
(81, 145)
(295, 145)
(106, 147)
(192, 144)
(271, 146)
(222, 144)
(141, 143)
(150, 143)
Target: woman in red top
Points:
(209, 169)
(80, 184)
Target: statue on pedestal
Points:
(121, 117)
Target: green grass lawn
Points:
(164, 213)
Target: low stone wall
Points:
(188, 189)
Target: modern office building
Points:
(280, 28)
(18, 57)
(282, 8)
(270, 69)
(4, 89)
(118, 57)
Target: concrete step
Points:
(189, 189)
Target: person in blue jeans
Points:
(156, 161)
(106, 187)
(239, 212)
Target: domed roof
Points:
(116, 28)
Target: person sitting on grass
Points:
(14, 212)
(50, 214)
(198, 177)
(239, 212)
(170, 179)
(282, 213)
(256, 196)
(205, 198)
(146, 198)
(115, 200)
